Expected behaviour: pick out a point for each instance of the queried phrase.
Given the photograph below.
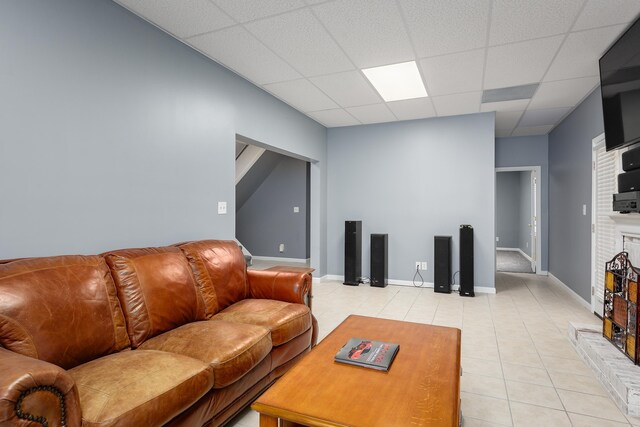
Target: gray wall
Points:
(254, 177)
(114, 134)
(507, 209)
(530, 151)
(414, 180)
(570, 157)
(524, 217)
(267, 219)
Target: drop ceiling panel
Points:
(528, 131)
(333, 118)
(517, 20)
(376, 113)
(503, 133)
(348, 89)
(461, 103)
(515, 105)
(410, 109)
(445, 26)
(564, 93)
(454, 73)
(248, 10)
(238, 50)
(302, 95)
(299, 38)
(371, 32)
(598, 13)
(550, 116)
(580, 53)
(182, 18)
(519, 63)
(507, 119)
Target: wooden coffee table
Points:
(422, 388)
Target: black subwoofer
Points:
(352, 252)
(442, 264)
(379, 260)
(466, 261)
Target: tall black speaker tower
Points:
(442, 264)
(466, 261)
(352, 252)
(379, 260)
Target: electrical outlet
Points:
(417, 265)
(497, 239)
(222, 208)
(424, 265)
(281, 247)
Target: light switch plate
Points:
(296, 209)
(222, 208)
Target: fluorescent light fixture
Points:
(397, 81)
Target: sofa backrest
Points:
(156, 289)
(63, 310)
(220, 271)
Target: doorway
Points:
(272, 206)
(518, 248)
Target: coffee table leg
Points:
(268, 421)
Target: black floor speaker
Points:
(442, 264)
(466, 261)
(352, 252)
(379, 260)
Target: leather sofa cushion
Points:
(285, 320)
(139, 387)
(63, 310)
(220, 272)
(231, 349)
(157, 290)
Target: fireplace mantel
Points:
(627, 236)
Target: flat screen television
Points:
(620, 88)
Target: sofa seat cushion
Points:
(285, 320)
(139, 387)
(231, 349)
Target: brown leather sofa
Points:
(181, 335)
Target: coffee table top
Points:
(422, 387)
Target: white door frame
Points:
(595, 143)
(538, 241)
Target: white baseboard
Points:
(516, 250)
(479, 289)
(275, 258)
(557, 282)
(542, 273)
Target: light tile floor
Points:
(519, 368)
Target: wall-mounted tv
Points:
(620, 87)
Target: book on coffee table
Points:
(367, 353)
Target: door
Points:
(603, 228)
(534, 220)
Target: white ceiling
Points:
(310, 53)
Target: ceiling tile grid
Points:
(300, 39)
(348, 89)
(238, 50)
(376, 113)
(371, 32)
(454, 73)
(310, 53)
(302, 95)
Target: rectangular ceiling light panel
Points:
(397, 81)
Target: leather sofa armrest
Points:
(34, 391)
(288, 286)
